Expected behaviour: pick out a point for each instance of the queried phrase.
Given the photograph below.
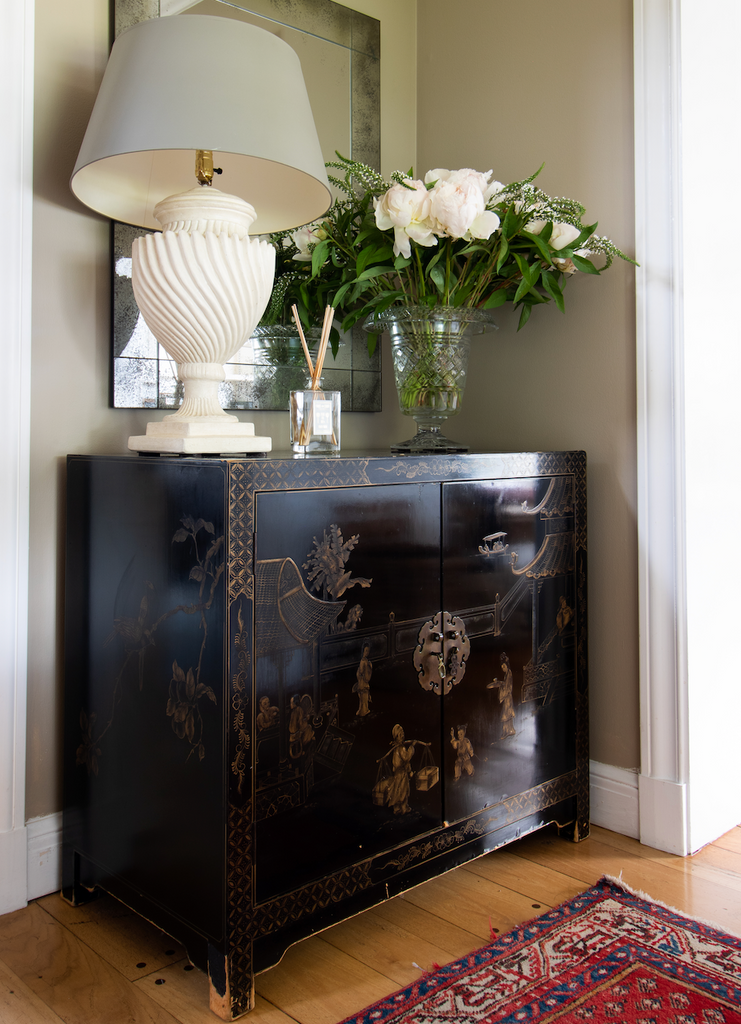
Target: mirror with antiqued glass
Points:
(339, 51)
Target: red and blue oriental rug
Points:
(609, 955)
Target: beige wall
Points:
(507, 86)
(565, 382)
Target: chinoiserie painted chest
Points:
(296, 687)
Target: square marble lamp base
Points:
(223, 436)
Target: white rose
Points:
(562, 234)
(406, 209)
(303, 237)
(458, 206)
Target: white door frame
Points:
(16, 117)
(662, 599)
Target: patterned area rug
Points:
(609, 956)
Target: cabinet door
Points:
(344, 578)
(508, 576)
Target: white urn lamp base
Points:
(202, 285)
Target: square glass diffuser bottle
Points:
(315, 421)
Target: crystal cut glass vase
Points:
(430, 348)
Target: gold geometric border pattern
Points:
(274, 915)
(240, 532)
(239, 920)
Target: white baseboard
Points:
(44, 855)
(613, 799)
(13, 884)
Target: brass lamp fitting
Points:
(205, 169)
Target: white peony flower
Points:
(303, 237)
(406, 209)
(458, 204)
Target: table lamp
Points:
(180, 93)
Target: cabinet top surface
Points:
(355, 454)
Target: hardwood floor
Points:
(100, 964)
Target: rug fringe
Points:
(631, 890)
(435, 967)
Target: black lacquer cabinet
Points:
(296, 687)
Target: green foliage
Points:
(349, 262)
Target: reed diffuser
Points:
(315, 413)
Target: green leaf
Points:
(586, 233)
(372, 272)
(341, 293)
(318, 257)
(435, 259)
(503, 253)
(386, 299)
(551, 286)
(437, 275)
(334, 340)
(524, 315)
(472, 247)
(540, 245)
(365, 257)
(497, 299)
(510, 224)
(522, 290)
(530, 273)
(586, 266)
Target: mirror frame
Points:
(152, 383)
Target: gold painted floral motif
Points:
(137, 636)
(326, 573)
(241, 688)
(182, 707)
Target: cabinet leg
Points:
(231, 990)
(72, 889)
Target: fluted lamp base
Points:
(202, 285)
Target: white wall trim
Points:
(44, 855)
(16, 130)
(661, 580)
(613, 799)
(663, 807)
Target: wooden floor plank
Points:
(681, 888)
(68, 976)
(19, 1005)
(731, 840)
(456, 941)
(315, 983)
(467, 899)
(129, 943)
(395, 952)
(183, 991)
(536, 881)
(716, 864)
